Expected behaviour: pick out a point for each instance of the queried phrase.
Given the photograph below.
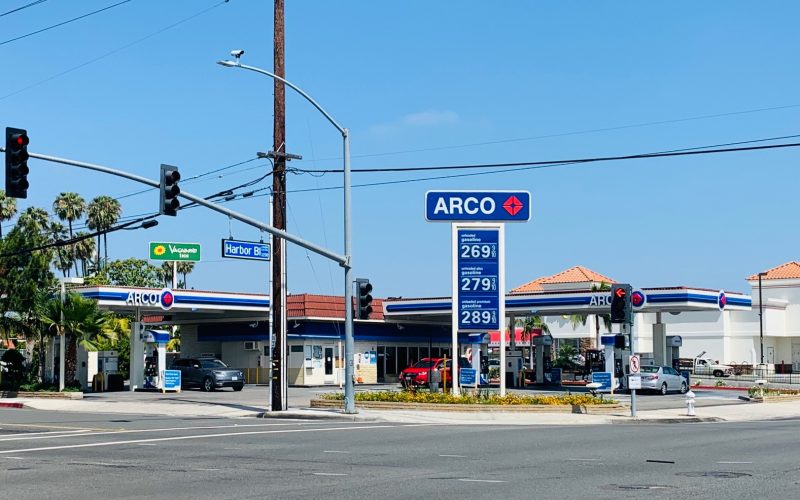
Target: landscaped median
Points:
(767, 395)
(390, 400)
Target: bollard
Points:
(690, 404)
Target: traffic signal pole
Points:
(339, 259)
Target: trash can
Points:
(435, 380)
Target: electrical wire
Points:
(65, 22)
(114, 51)
(37, 2)
(686, 152)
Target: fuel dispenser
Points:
(155, 342)
(514, 368)
(673, 354)
(544, 352)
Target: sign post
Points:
(634, 380)
(478, 255)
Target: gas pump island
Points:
(478, 255)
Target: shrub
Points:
(483, 398)
(720, 383)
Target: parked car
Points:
(417, 375)
(663, 379)
(208, 374)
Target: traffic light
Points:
(16, 163)
(621, 303)
(169, 202)
(364, 307)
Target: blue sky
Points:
(424, 84)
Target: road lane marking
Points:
(583, 460)
(734, 462)
(328, 474)
(207, 436)
(481, 480)
(104, 432)
(41, 435)
(15, 458)
(147, 444)
(334, 451)
(453, 456)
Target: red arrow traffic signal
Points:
(620, 292)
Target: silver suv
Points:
(208, 374)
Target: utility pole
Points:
(279, 217)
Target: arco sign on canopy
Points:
(175, 251)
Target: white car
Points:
(663, 379)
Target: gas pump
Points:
(514, 367)
(673, 354)
(544, 347)
(621, 352)
(155, 357)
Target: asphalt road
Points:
(255, 398)
(59, 455)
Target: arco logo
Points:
(167, 299)
(637, 299)
(722, 300)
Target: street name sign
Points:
(251, 250)
(160, 250)
(477, 206)
(478, 278)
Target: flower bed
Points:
(469, 399)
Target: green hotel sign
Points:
(160, 250)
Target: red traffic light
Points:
(20, 139)
(620, 292)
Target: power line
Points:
(112, 52)
(575, 132)
(692, 151)
(37, 2)
(64, 22)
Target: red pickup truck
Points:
(417, 375)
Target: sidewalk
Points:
(726, 413)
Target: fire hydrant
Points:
(690, 404)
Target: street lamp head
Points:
(228, 64)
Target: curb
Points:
(672, 420)
(313, 416)
(608, 409)
(11, 405)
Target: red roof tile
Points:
(306, 305)
(790, 270)
(577, 274)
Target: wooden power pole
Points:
(279, 358)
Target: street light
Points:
(349, 389)
(761, 316)
(62, 358)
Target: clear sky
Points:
(423, 83)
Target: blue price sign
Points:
(477, 206)
(251, 250)
(602, 378)
(468, 377)
(172, 380)
(478, 277)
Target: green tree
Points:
(133, 272)
(120, 342)
(84, 324)
(184, 268)
(8, 209)
(103, 212)
(70, 207)
(167, 271)
(84, 251)
(63, 254)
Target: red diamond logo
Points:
(512, 205)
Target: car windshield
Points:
(212, 363)
(423, 364)
(649, 369)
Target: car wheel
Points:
(208, 384)
(718, 373)
(238, 388)
(664, 389)
(684, 388)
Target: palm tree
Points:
(167, 271)
(35, 219)
(185, 268)
(8, 209)
(70, 207)
(84, 324)
(103, 212)
(84, 250)
(529, 324)
(64, 254)
(602, 287)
